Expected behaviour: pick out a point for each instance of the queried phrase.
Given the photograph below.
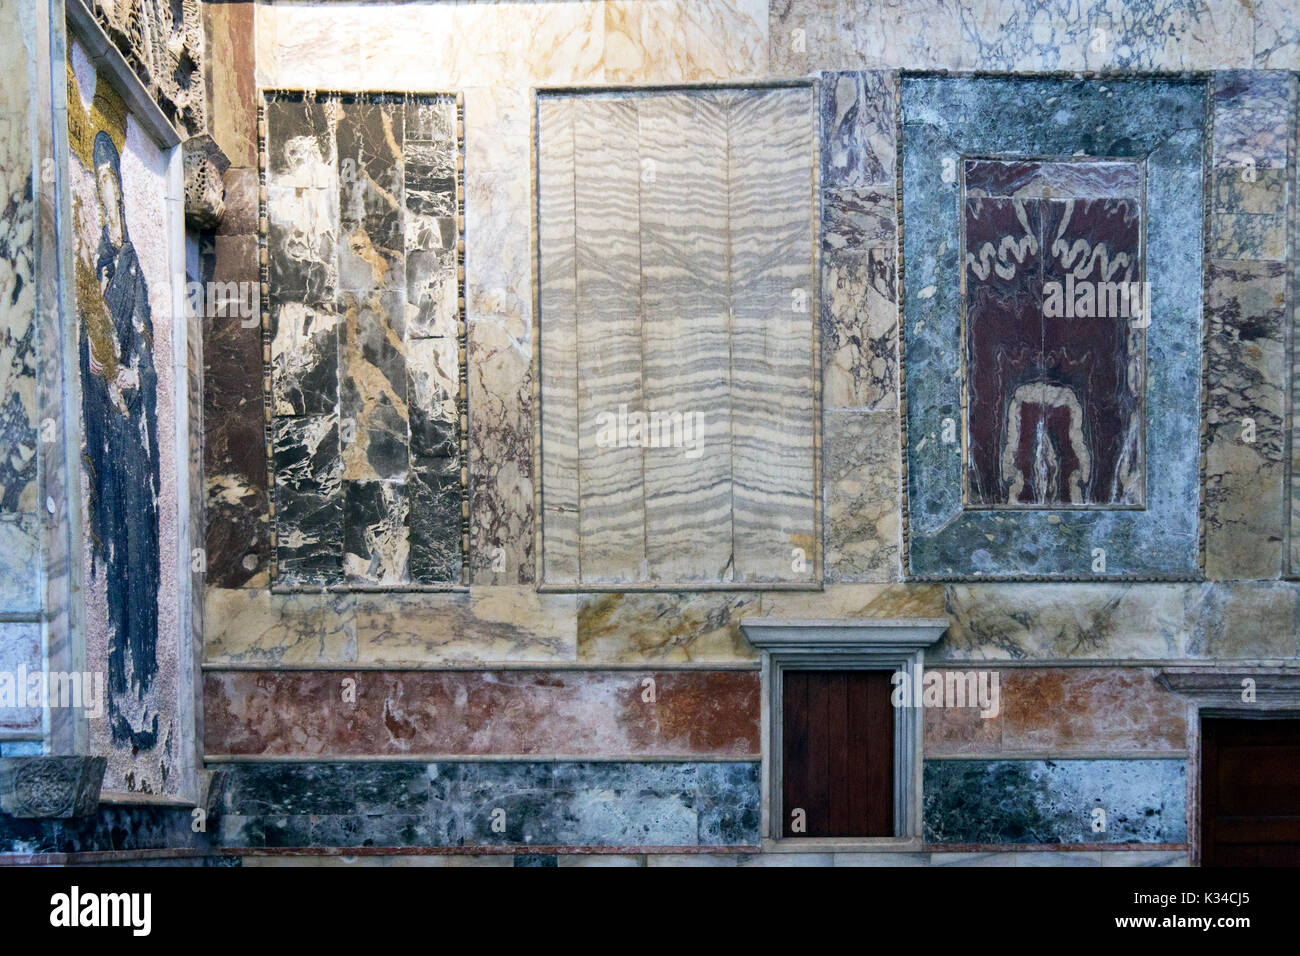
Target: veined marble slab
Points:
(1060, 711)
(580, 713)
(363, 268)
(455, 804)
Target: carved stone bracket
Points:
(163, 42)
(50, 787)
(205, 191)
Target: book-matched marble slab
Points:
(676, 315)
(363, 264)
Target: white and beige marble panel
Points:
(685, 325)
(770, 213)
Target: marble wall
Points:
(676, 324)
(519, 804)
(258, 642)
(1054, 801)
(19, 332)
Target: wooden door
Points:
(838, 754)
(1250, 792)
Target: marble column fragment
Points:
(238, 523)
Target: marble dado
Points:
(501, 624)
(1062, 857)
(1052, 801)
(1252, 620)
(20, 651)
(452, 804)
(664, 627)
(110, 828)
(577, 713)
(1064, 711)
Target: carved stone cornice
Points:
(1225, 685)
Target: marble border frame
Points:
(943, 540)
(812, 83)
(263, 95)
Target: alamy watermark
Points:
(654, 429)
(79, 690)
(948, 688)
(1086, 299)
(223, 300)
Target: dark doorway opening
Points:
(1250, 792)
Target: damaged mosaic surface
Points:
(118, 182)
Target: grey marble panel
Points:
(457, 804)
(1053, 801)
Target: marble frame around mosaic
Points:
(1158, 119)
(817, 583)
(264, 96)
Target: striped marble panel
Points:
(557, 260)
(770, 210)
(686, 379)
(607, 174)
(676, 254)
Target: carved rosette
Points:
(50, 787)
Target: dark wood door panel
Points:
(838, 753)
